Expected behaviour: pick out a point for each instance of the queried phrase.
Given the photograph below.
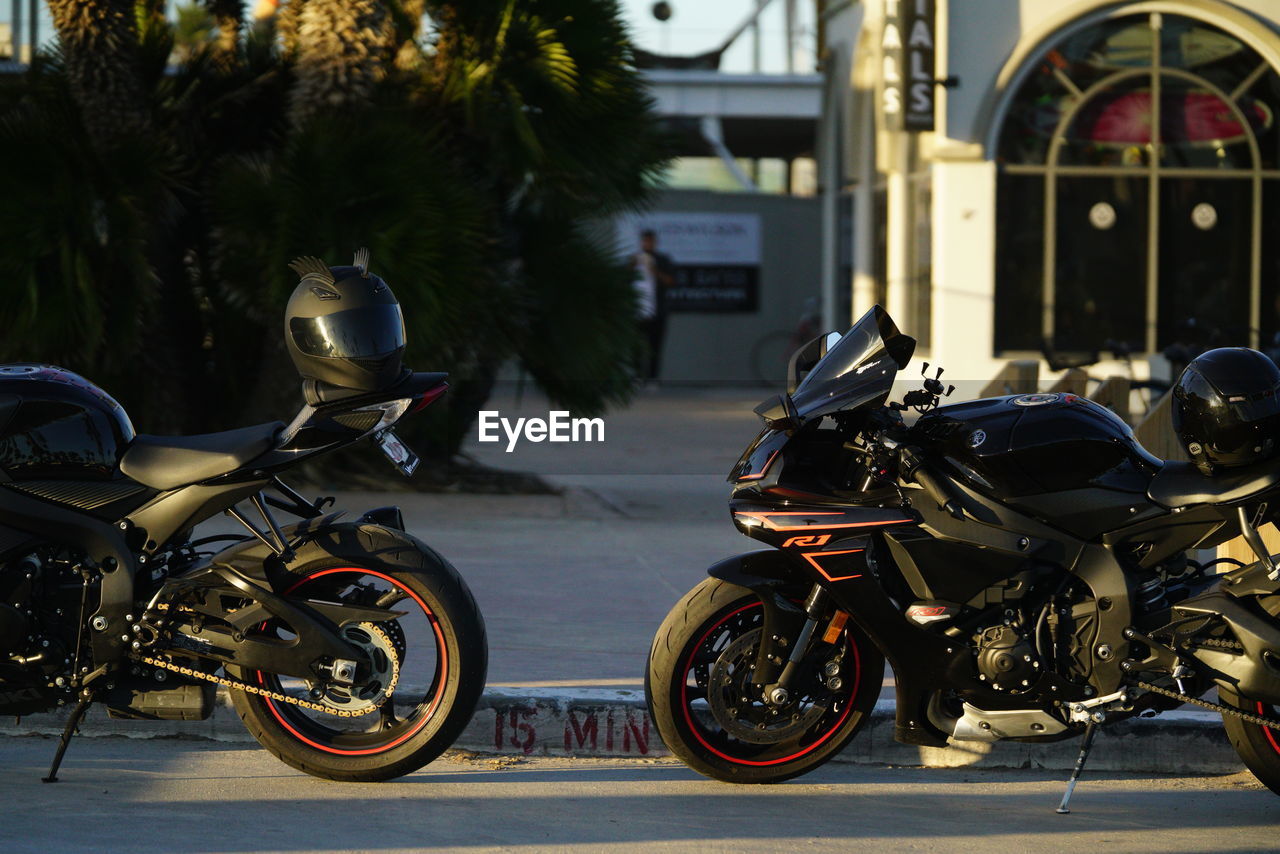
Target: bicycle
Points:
(772, 351)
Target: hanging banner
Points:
(908, 57)
(714, 257)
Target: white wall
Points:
(964, 231)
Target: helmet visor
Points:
(1256, 407)
(360, 333)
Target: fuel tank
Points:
(1059, 457)
(61, 438)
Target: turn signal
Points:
(835, 627)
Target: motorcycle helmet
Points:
(1226, 408)
(343, 325)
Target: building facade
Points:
(1038, 175)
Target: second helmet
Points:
(1226, 408)
(343, 326)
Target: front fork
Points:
(777, 693)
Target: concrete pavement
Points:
(202, 796)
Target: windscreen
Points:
(859, 369)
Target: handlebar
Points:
(913, 468)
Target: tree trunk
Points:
(286, 22)
(100, 43)
(228, 15)
(408, 55)
(344, 48)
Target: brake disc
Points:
(737, 706)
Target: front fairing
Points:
(856, 373)
(758, 458)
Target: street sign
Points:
(908, 52)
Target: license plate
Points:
(398, 452)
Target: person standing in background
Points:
(653, 277)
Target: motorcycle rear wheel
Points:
(714, 623)
(442, 654)
(1257, 746)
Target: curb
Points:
(615, 723)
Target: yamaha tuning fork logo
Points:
(1036, 399)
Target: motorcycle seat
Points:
(167, 462)
(1179, 484)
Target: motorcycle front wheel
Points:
(429, 672)
(698, 686)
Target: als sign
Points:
(907, 45)
(716, 257)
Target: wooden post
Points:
(1114, 395)
(1019, 376)
(1239, 549)
(1155, 432)
(1073, 381)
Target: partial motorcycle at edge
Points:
(1022, 563)
(353, 650)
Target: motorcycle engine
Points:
(40, 601)
(1007, 659)
(1039, 633)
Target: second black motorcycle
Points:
(352, 650)
(1025, 566)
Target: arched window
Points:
(1139, 191)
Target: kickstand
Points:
(1085, 746)
(86, 700)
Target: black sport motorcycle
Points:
(353, 650)
(1021, 562)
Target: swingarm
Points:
(212, 613)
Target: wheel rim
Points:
(695, 672)
(382, 729)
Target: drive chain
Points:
(284, 698)
(1213, 707)
(1219, 643)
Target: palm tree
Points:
(560, 122)
(343, 51)
(146, 238)
(99, 44)
(228, 17)
(408, 15)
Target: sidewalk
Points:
(573, 587)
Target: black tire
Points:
(407, 740)
(696, 637)
(1257, 746)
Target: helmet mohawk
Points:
(361, 261)
(311, 267)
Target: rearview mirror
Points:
(803, 359)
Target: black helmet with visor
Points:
(1226, 408)
(343, 326)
